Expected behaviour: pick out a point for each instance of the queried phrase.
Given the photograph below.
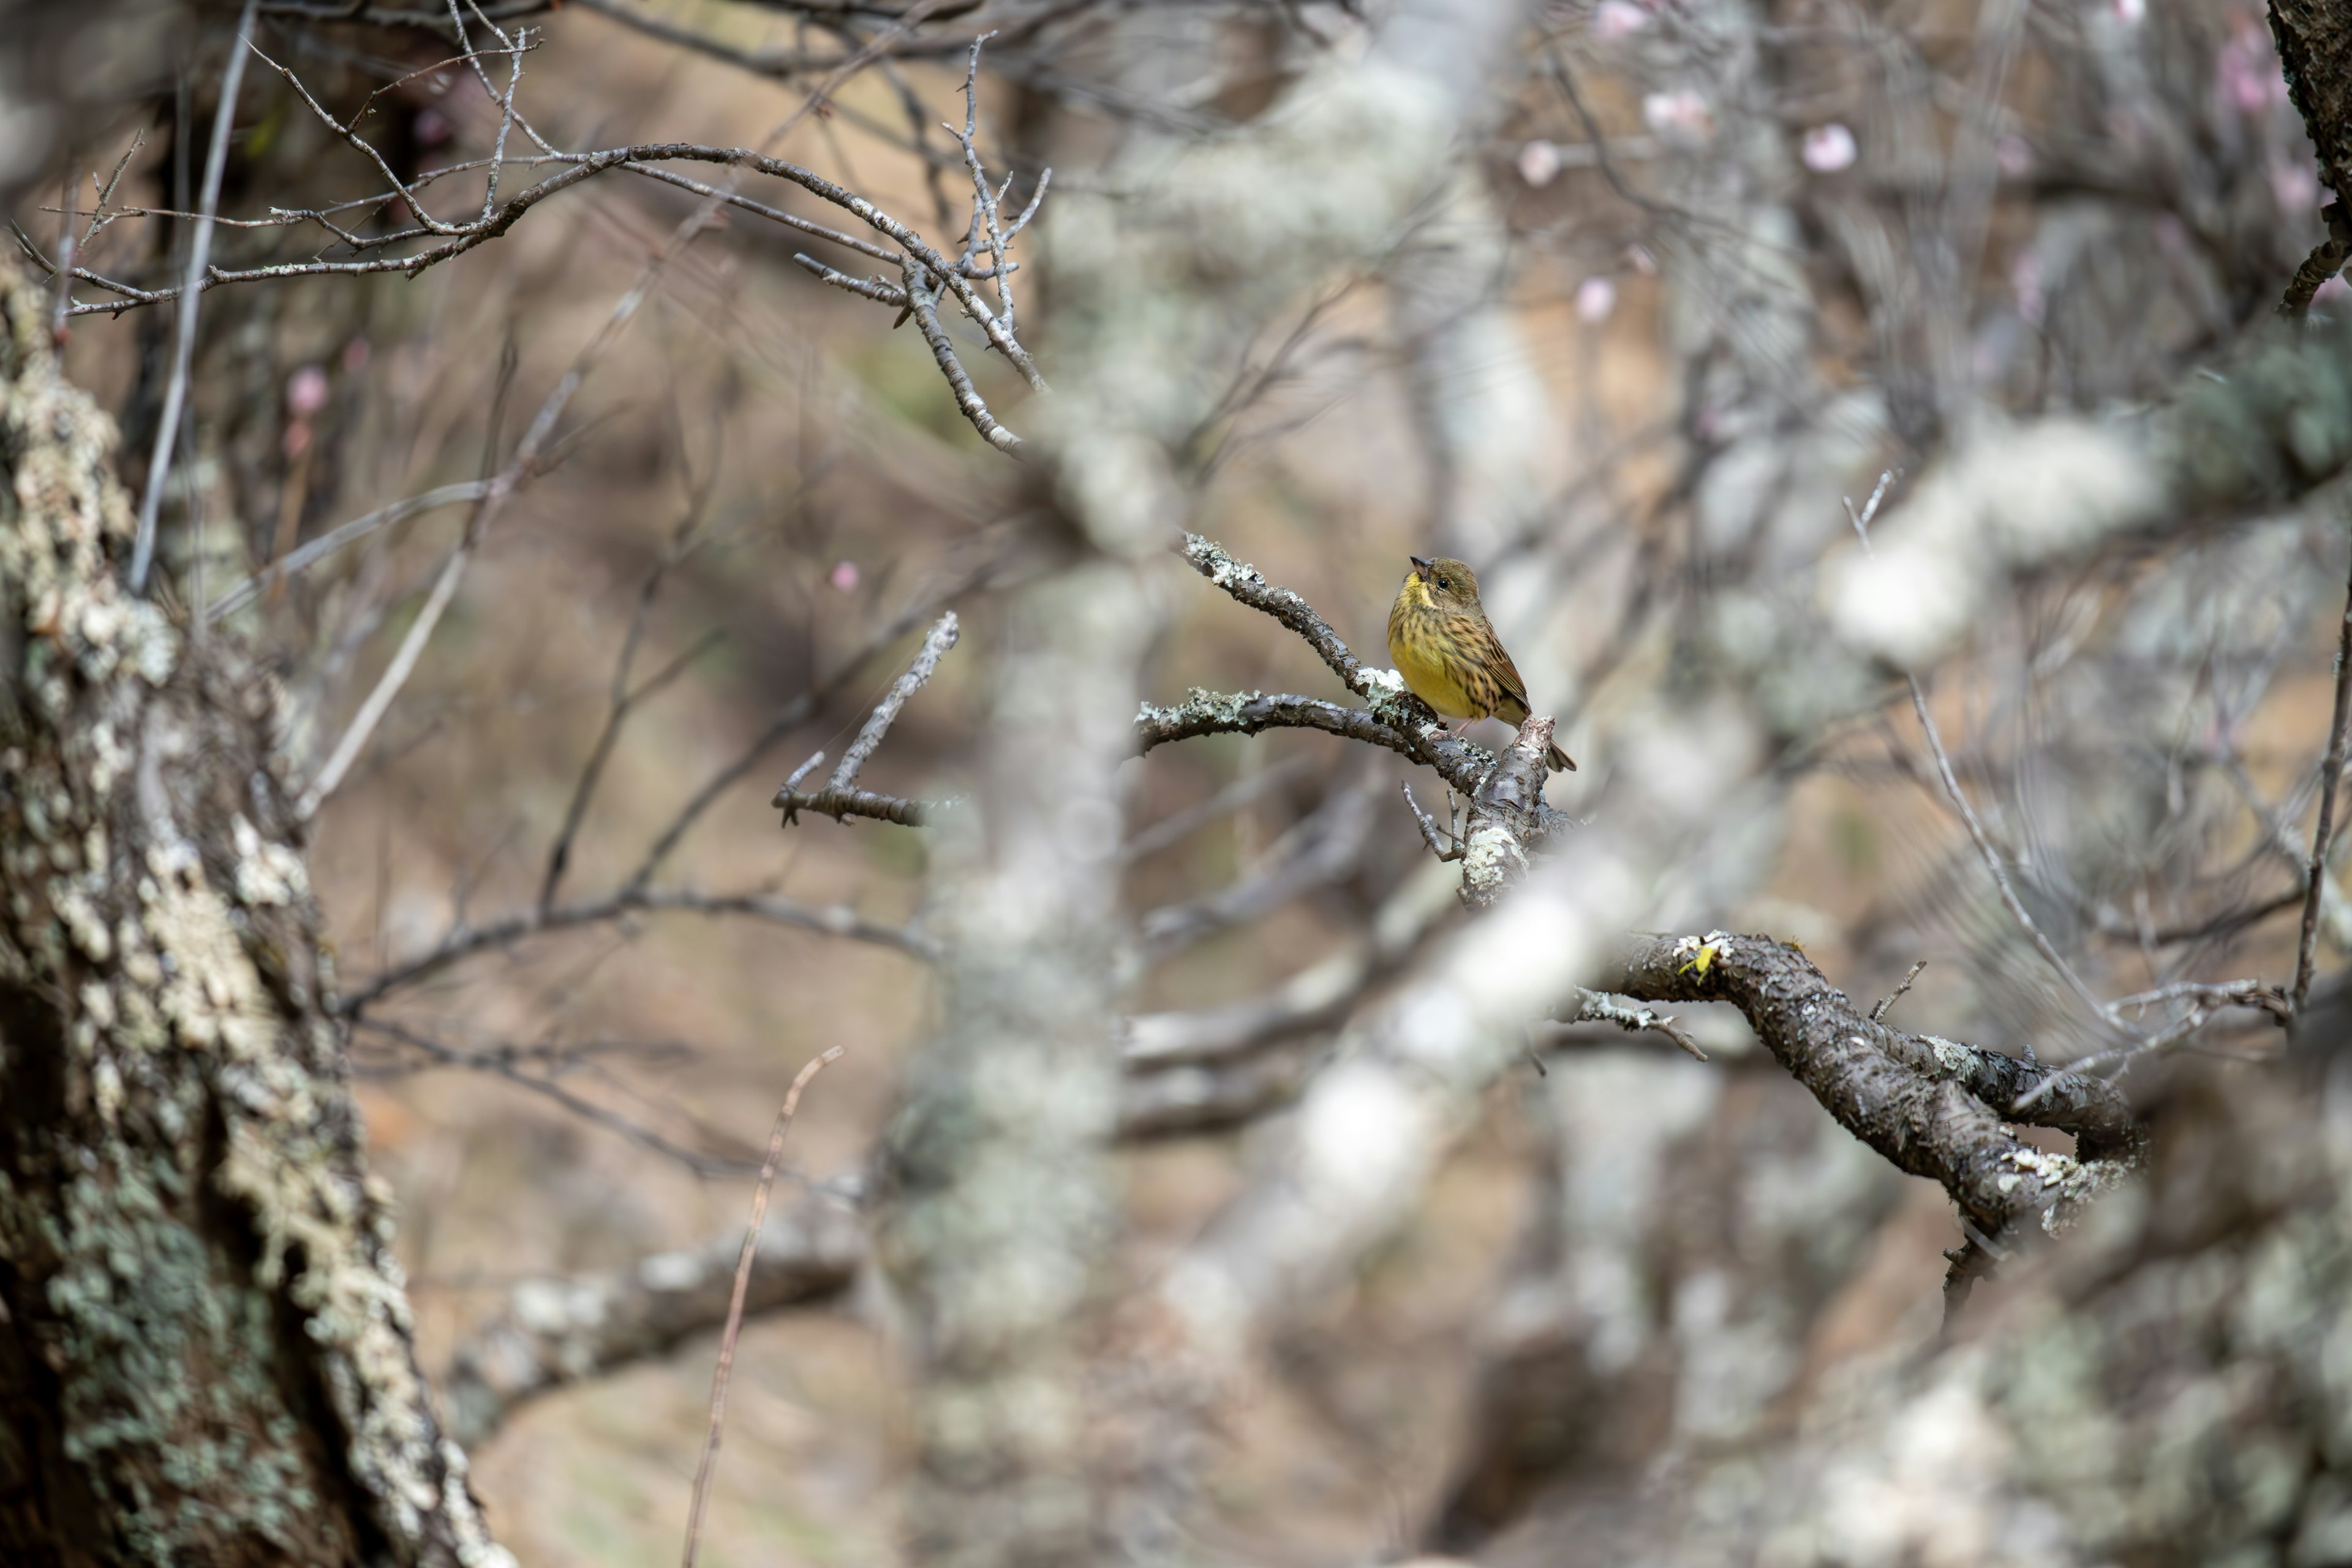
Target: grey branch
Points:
(1593, 1007)
(839, 799)
(557, 1330)
(885, 712)
(1933, 1106)
(184, 347)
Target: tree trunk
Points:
(207, 1353)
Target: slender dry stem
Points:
(742, 1286)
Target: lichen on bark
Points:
(208, 1353)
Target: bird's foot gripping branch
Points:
(1509, 819)
(1934, 1106)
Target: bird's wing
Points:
(1506, 674)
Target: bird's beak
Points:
(1420, 566)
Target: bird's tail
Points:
(1559, 760)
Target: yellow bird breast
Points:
(1429, 675)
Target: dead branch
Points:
(739, 1287)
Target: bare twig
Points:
(1595, 1007)
(844, 803)
(839, 799)
(509, 1065)
(1452, 848)
(200, 246)
(828, 919)
(1878, 1013)
(1174, 829)
(885, 712)
(2331, 773)
(1993, 861)
(923, 300)
(622, 700)
(308, 555)
(787, 717)
(742, 1286)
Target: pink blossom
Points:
(1595, 299)
(1615, 19)
(843, 576)
(1539, 162)
(1681, 115)
(306, 392)
(1829, 148)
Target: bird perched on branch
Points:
(1448, 653)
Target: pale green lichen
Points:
(174, 1406)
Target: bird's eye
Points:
(1445, 581)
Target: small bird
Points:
(1448, 653)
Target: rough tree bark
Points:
(206, 1354)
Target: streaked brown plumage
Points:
(1448, 653)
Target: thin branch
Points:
(2331, 773)
(872, 288)
(1173, 829)
(742, 1286)
(396, 675)
(1986, 851)
(885, 712)
(1452, 848)
(922, 300)
(623, 701)
(308, 555)
(844, 803)
(1878, 1013)
(184, 349)
(464, 943)
(1596, 1007)
(789, 717)
(508, 1066)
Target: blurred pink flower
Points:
(1595, 299)
(1680, 115)
(843, 576)
(1618, 19)
(2131, 13)
(2015, 156)
(1539, 162)
(1829, 148)
(2333, 289)
(2294, 187)
(2247, 73)
(430, 128)
(306, 392)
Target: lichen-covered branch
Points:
(208, 1351)
(557, 1330)
(1933, 1106)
